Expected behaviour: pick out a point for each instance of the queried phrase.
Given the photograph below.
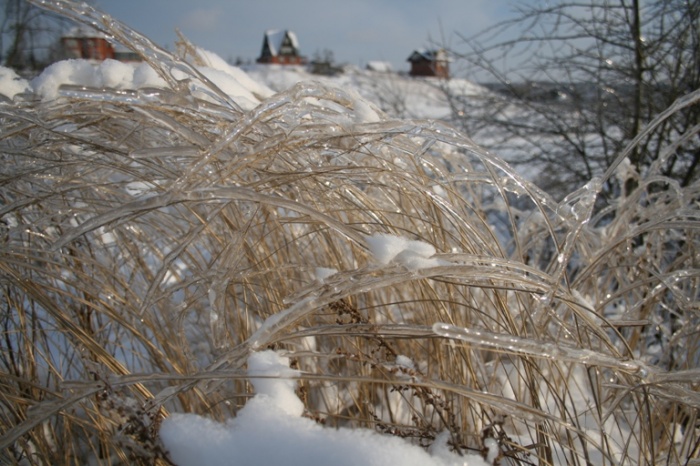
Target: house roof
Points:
(83, 32)
(275, 38)
(428, 55)
(383, 66)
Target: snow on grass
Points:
(233, 75)
(324, 272)
(413, 254)
(270, 430)
(11, 84)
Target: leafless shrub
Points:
(578, 81)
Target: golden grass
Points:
(147, 242)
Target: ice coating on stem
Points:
(546, 350)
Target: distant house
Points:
(84, 42)
(87, 43)
(124, 54)
(281, 47)
(379, 66)
(430, 63)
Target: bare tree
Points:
(577, 81)
(28, 35)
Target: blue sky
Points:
(356, 31)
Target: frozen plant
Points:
(156, 241)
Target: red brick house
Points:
(83, 42)
(430, 63)
(87, 43)
(281, 47)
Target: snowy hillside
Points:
(399, 95)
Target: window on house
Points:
(286, 48)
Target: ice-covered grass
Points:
(158, 242)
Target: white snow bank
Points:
(11, 84)
(269, 430)
(234, 75)
(106, 74)
(113, 74)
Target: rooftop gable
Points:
(428, 55)
(275, 39)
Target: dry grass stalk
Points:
(146, 242)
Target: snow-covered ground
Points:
(399, 95)
(270, 430)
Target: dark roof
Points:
(428, 55)
(275, 38)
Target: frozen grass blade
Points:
(152, 239)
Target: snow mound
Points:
(106, 74)
(11, 84)
(270, 430)
(113, 74)
(234, 75)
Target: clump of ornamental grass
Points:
(151, 240)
